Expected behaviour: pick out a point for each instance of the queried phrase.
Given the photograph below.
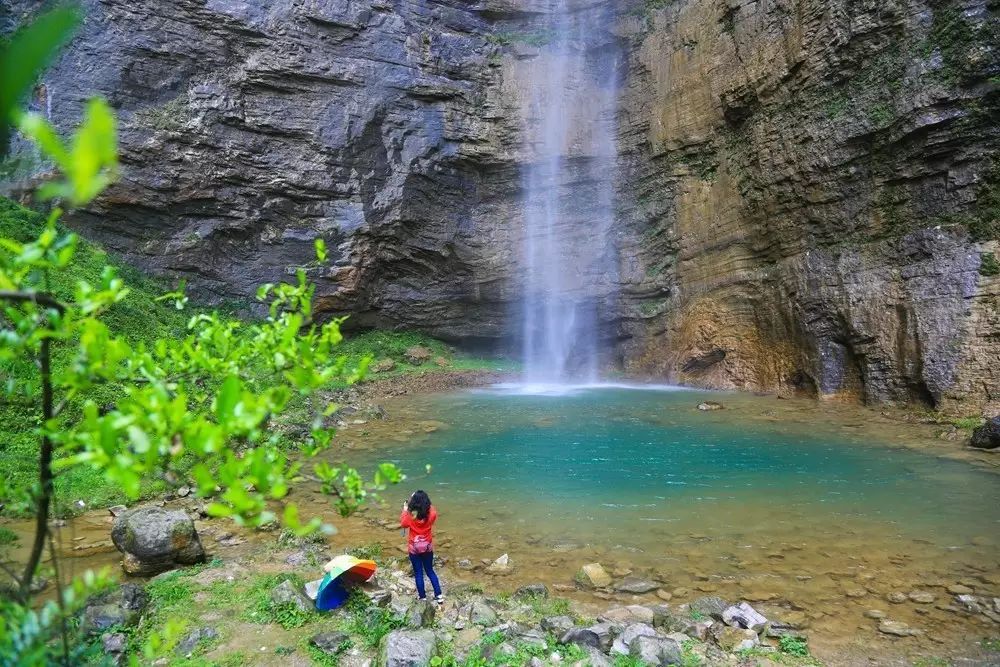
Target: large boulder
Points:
(987, 436)
(154, 539)
(407, 648)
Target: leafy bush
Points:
(793, 646)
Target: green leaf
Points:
(229, 396)
(27, 53)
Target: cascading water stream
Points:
(569, 119)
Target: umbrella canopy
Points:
(342, 573)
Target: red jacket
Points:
(420, 540)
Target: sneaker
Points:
(439, 599)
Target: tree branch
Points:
(40, 298)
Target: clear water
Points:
(613, 466)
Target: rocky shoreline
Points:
(530, 626)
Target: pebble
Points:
(896, 597)
(959, 589)
(856, 592)
(877, 614)
(921, 597)
(664, 595)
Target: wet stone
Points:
(897, 628)
(636, 585)
(896, 597)
(877, 614)
(921, 597)
(710, 606)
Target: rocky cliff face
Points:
(808, 189)
(817, 193)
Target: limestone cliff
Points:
(817, 193)
(808, 200)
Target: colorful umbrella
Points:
(342, 573)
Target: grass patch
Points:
(258, 607)
(370, 623)
(988, 264)
(7, 536)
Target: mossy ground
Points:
(142, 319)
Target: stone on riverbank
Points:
(187, 646)
(987, 436)
(531, 591)
(407, 648)
(709, 606)
(154, 540)
(593, 575)
(744, 616)
(736, 639)
(557, 625)
(330, 643)
(656, 651)
(420, 614)
(623, 642)
(897, 628)
(636, 585)
(501, 566)
(288, 593)
(417, 355)
(122, 607)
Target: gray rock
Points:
(187, 645)
(736, 639)
(633, 613)
(581, 637)
(596, 659)
(330, 643)
(623, 642)
(420, 614)
(154, 540)
(709, 606)
(636, 585)
(120, 607)
(708, 406)
(744, 616)
(656, 651)
(288, 593)
(480, 613)
(407, 648)
(987, 436)
(312, 589)
(531, 591)
(897, 628)
(557, 625)
(113, 643)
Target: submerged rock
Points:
(154, 540)
(593, 575)
(708, 406)
(501, 566)
(636, 585)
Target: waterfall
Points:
(569, 112)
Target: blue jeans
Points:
(424, 563)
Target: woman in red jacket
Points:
(419, 516)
